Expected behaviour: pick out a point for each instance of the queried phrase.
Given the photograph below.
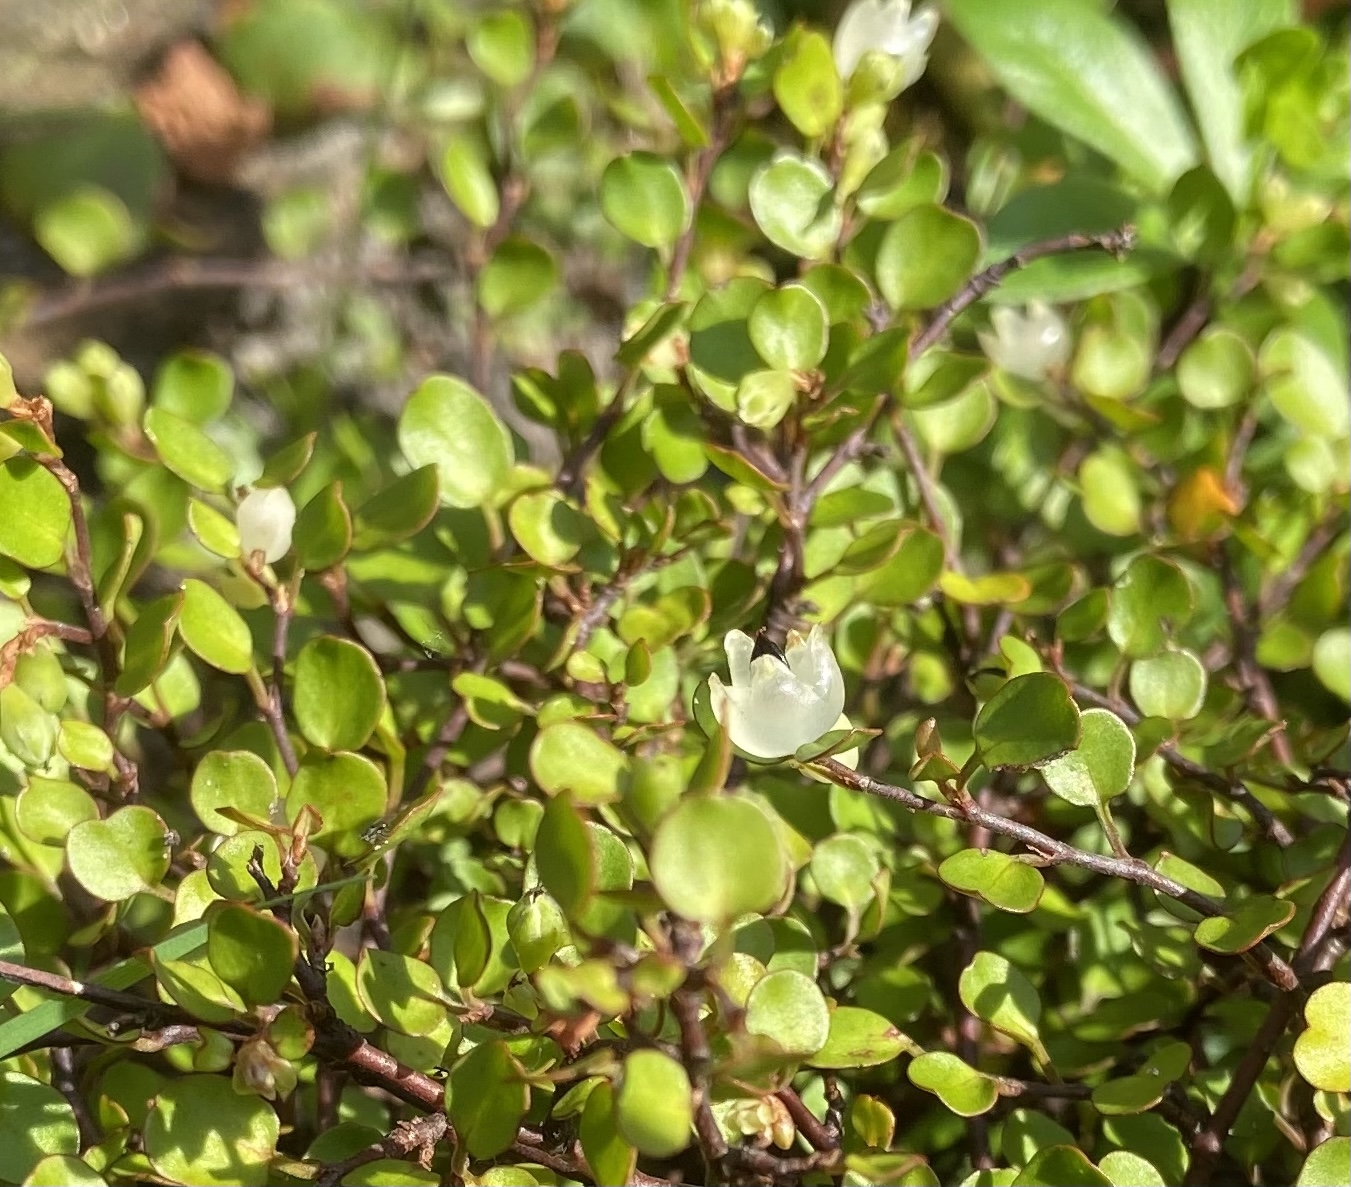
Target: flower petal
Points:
(739, 647)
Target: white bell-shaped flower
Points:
(1030, 343)
(778, 701)
(265, 518)
(889, 27)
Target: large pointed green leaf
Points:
(1089, 74)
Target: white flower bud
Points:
(886, 26)
(778, 702)
(265, 519)
(1030, 344)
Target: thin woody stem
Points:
(1273, 967)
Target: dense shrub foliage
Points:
(965, 391)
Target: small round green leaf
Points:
(547, 526)
(64, 1170)
(763, 398)
(399, 510)
(714, 859)
(236, 779)
(195, 385)
(520, 274)
(339, 693)
(993, 989)
(1152, 597)
(788, 328)
(571, 756)
(793, 204)
(1111, 491)
(502, 45)
(486, 1097)
(35, 1121)
(37, 513)
(124, 855)
(1171, 685)
(47, 809)
(1323, 1051)
(643, 197)
(565, 855)
(465, 174)
(349, 793)
(1127, 1095)
(653, 1106)
(1102, 765)
(859, 1038)
(1332, 661)
(966, 1091)
(27, 730)
(201, 1131)
(1328, 1164)
(1030, 719)
(610, 1157)
(403, 993)
(807, 84)
(88, 230)
(843, 868)
(213, 629)
(1061, 1166)
(998, 879)
(788, 1008)
(926, 256)
(323, 530)
(188, 451)
(1217, 370)
(1250, 922)
(216, 533)
(1304, 384)
(250, 951)
(447, 423)
(146, 651)
(1130, 1170)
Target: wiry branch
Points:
(1314, 956)
(1116, 242)
(1276, 970)
(1230, 788)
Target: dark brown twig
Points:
(1253, 680)
(1207, 1144)
(572, 470)
(1277, 594)
(1276, 970)
(928, 491)
(1182, 333)
(79, 567)
(1233, 789)
(1116, 242)
(446, 737)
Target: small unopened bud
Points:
(927, 741)
(736, 28)
(265, 519)
(260, 1071)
